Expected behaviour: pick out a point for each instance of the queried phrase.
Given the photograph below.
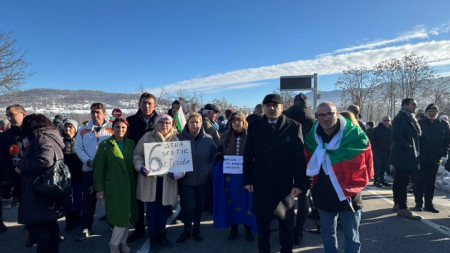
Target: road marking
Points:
(440, 228)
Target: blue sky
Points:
(235, 49)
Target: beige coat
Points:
(146, 186)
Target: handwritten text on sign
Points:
(164, 157)
(233, 164)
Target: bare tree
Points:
(287, 96)
(357, 84)
(13, 67)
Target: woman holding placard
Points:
(232, 202)
(114, 181)
(193, 187)
(159, 192)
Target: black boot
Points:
(136, 235)
(3, 227)
(196, 234)
(233, 232)
(184, 236)
(298, 237)
(154, 245)
(248, 234)
(384, 183)
(163, 241)
(430, 208)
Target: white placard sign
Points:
(164, 157)
(233, 164)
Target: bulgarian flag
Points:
(346, 159)
(180, 120)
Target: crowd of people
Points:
(278, 156)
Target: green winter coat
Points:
(114, 174)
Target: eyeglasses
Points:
(164, 123)
(386, 120)
(323, 115)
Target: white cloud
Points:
(436, 53)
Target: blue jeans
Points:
(350, 226)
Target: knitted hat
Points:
(72, 122)
(432, 106)
(162, 117)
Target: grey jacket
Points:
(203, 157)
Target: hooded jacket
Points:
(39, 156)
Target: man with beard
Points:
(404, 155)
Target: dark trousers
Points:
(12, 186)
(192, 201)
(156, 212)
(424, 185)
(400, 187)
(380, 162)
(302, 213)
(139, 225)
(73, 203)
(285, 234)
(89, 201)
(46, 235)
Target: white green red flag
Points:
(180, 120)
(346, 159)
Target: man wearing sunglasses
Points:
(340, 159)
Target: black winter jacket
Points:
(302, 115)
(381, 138)
(405, 150)
(138, 127)
(435, 141)
(38, 157)
(274, 163)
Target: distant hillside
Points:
(52, 101)
(69, 102)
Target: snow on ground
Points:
(443, 177)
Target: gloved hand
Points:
(176, 175)
(144, 171)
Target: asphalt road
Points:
(380, 231)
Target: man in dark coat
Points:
(140, 123)
(381, 143)
(274, 171)
(434, 144)
(404, 155)
(303, 114)
(257, 114)
(10, 190)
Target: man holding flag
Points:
(340, 159)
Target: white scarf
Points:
(320, 156)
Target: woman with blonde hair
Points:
(350, 116)
(194, 185)
(232, 202)
(159, 192)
